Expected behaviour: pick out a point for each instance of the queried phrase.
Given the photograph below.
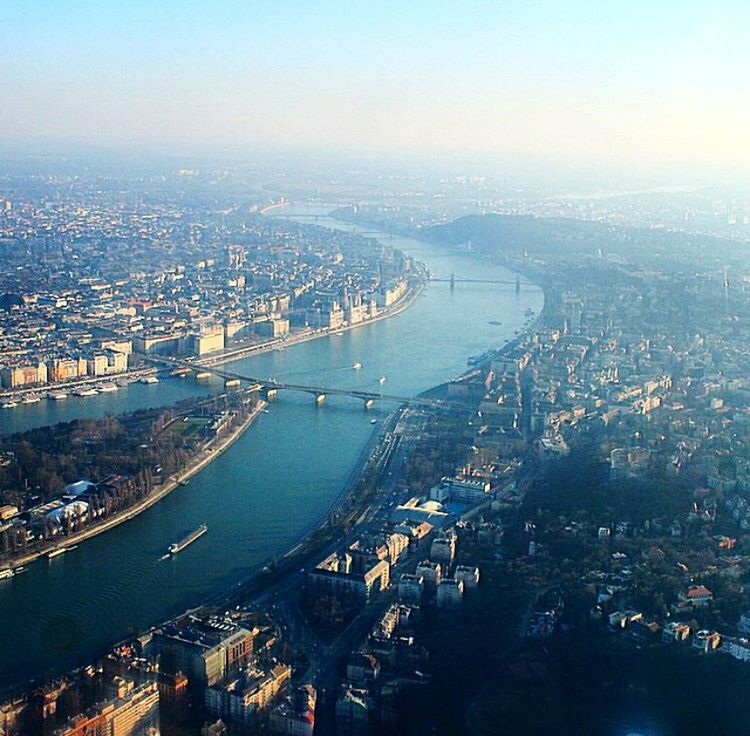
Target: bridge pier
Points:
(319, 399)
(369, 403)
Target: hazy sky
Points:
(624, 82)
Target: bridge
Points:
(270, 387)
(453, 280)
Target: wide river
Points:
(263, 493)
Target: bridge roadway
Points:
(459, 280)
(317, 391)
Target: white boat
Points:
(149, 380)
(32, 399)
(9, 404)
(60, 551)
(381, 379)
(357, 366)
(188, 540)
(57, 396)
(5, 574)
(338, 334)
(85, 392)
(108, 388)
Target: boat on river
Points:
(177, 547)
(60, 551)
(9, 405)
(356, 366)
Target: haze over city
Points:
(374, 368)
(636, 86)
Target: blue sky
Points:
(624, 82)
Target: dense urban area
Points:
(577, 502)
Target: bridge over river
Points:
(270, 386)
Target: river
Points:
(266, 490)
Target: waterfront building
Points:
(107, 363)
(273, 328)
(25, 374)
(207, 340)
(388, 295)
(158, 343)
(206, 650)
(66, 369)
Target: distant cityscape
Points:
(581, 488)
(115, 281)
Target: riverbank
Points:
(282, 344)
(200, 461)
(240, 353)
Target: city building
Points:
(238, 700)
(133, 711)
(295, 714)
